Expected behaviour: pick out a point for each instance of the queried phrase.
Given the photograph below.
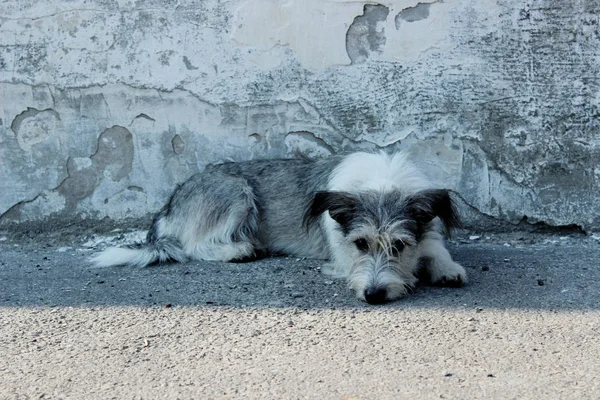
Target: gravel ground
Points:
(525, 327)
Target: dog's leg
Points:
(221, 251)
(340, 262)
(336, 268)
(215, 217)
(437, 266)
(235, 238)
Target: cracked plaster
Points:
(106, 106)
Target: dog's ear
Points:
(341, 207)
(428, 204)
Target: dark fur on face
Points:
(381, 208)
(428, 204)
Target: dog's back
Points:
(235, 211)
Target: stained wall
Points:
(105, 106)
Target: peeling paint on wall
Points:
(34, 126)
(366, 34)
(413, 14)
(106, 108)
(178, 145)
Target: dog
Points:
(374, 216)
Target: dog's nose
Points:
(375, 295)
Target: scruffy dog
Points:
(374, 216)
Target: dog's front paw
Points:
(440, 273)
(450, 275)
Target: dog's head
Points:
(381, 231)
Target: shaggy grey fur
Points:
(264, 194)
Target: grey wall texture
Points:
(105, 106)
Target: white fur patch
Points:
(377, 171)
(122, 256)
(218, 251)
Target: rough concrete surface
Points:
(525, 327)
(105, 106)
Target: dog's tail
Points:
(141, 254)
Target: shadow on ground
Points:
(552, 275)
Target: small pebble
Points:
(168, 305)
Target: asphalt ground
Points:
(526, 326)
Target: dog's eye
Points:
(362, 244)
(398, 247)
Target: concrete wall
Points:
(106, 105)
